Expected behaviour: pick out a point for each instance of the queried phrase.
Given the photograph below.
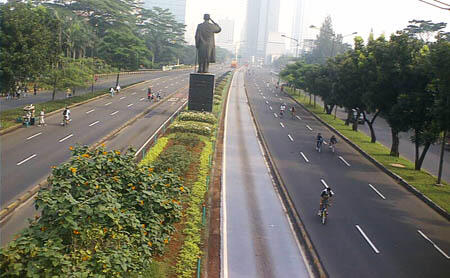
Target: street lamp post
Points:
(296, 40)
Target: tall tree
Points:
(27, 38)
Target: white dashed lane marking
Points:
(90, 111)
(131, 104)
(343, 160)
(108, 103)
(122, 98)
(94, 123)
(275, 114)
(367, 239)
(26, 159)
(282, 125)
(304, 157)
(290, 138)
(65, 138)
(114, 113)
(307, 126)
(142, 99)
(378, 192)
(32, 136)
(434, 245)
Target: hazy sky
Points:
(348, 16)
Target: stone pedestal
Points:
(201, 92)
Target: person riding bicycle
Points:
(319, 141)
(325, 198)
(293, 111)
(66, 115)
(333, 140)
(282, 109)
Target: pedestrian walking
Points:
(41, 118)
(35, 89)
(8, 96)
(118, 88)
(25, 91)
(111, 90)
(158, 96)
(149, 94)
(18, 93)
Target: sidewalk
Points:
(257, 239)
(103, 83)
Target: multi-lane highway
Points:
(376, 228)
(28, 153)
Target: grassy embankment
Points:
(421, 180)
(190, 137)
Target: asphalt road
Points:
(376, 228)
(103, 83)
(256, 235)
(406, 147)
(28, 153)
(134, 135)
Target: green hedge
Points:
(204, 117)
(102, 216)
(190, 252)
(192, 127)
(154, 151)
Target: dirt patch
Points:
(397, 165)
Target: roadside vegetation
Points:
(421, 180)
(105, 215)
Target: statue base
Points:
(201, 92)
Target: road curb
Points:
(18, 126)
(299, 227)
(4, 213)
(394, 176)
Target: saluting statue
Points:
(204, 42)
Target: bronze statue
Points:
(204, 42)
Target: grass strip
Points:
(421, 180)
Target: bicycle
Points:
(324, 211)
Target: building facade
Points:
(262, 20)
(297, 26)
(177, 7)
(225, 38)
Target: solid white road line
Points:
(114, 113)
(298, 118)
(290, 138)
(367, 239)
(282, 125)
(32, 136)
(131, 104)
(90, 111)
(94, 123)
(309, 127)
(378, 192)
(343, 160)
(275, 114)
(434, 245)
(122, 98)
(304, 157)
(26, 159)
(270, 107)
(142, 99)
(65, 138)
(133, 93)
(108, 103)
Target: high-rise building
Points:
(262, 19)
(176, 7)
(297, 25)
(225, 38)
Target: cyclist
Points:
(66, 116)
(293, 112)
(333, 142)
(325, 198)
(282, 109)
(149, 94)
(319, 141)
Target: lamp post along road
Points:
(296, 47)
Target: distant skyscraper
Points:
(262, 19)
(297, 25)
(226, 37)
(177, 7)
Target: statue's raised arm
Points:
(205, 44)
